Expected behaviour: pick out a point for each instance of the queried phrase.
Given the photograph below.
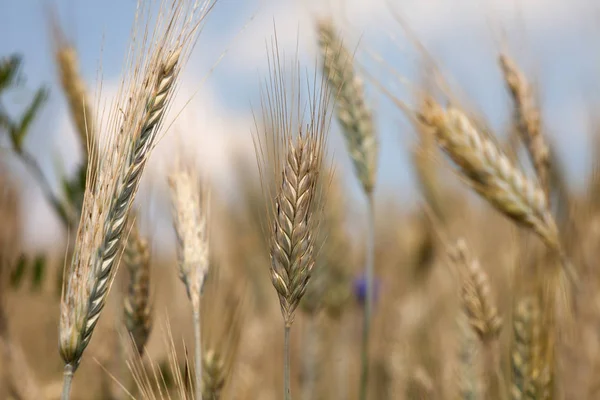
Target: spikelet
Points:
(527, 118)
(477, 299)
(134, 125)
(352, 112)
(137, 303)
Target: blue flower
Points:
(360, 289)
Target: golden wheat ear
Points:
(134, 125)
(477, 298)
(351, 107)
(527, 120)
(494, 177)
(290, 147)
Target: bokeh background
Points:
(555, 43)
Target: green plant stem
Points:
(67, 379)
(369, 265)
(287, 392)
(198, 354)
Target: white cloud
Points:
(431, 19)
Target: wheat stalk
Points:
(295, 131)
(362, 145)
(480, 310)
(527, 117)
(189, 199)
(137, 303)
(134, 128)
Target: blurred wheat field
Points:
(484, 288)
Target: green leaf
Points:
(22, 128)
(9, 71)
(17, 273)
(39, 271)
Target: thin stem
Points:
(287, 392)
(309, 355)
(67, 379)
(370, 261)
(65, 213)
(198, 354)
(341, 358)
(496, 387)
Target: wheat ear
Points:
(531, 371)
(361, 142)
(296, 131)
(480, 309)
(477, 298)
(75, 91)
(137, 303)
(292, 245)
(527, 116)
(491, 174)
(351, 108)
(189, 199)
(134, 128)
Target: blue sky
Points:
(554, 40)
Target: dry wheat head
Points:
(133, 126)
(491, 173)
(527, 117)
(290, 146)
(532, 372)
(352, 112)
(190, 204)
(477, 298)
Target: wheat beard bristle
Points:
(292, 242)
